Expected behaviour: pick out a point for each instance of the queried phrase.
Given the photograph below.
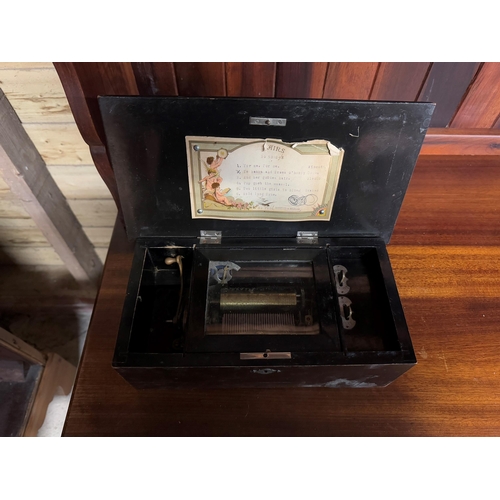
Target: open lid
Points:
(150, 140)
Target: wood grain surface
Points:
(446, 258)
(201, 79)
(36, 94)
(43, 256)
(23, 232)
(90, 213)
(452, 201)
(82, 83)
(59, 143)
(79, 183)
(295, 80)
(481, 104)
(349, 80)
(57, 373)
(155, 78)
(399, 81)
(463, 141)
(446, 85)
(250, 79)
(26, 173)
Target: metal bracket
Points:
(346, 313)
(340, 273)
(276, 122)
(266, 355)
(210, 237)
(221, 271)
(310, 237)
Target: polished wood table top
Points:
(445, 254)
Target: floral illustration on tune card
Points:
(211, 184)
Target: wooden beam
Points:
(56, 373)
(28, 177)
(450, 141)
(25, 350)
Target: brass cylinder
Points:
(244, 301)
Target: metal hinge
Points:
(210, 237)
(307, 237)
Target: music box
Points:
(260, 230)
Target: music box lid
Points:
(262, 167)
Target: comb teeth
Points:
(257, 323)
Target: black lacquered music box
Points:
(260, 230)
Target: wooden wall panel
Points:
(28, 177)
(97, 79)
(17, 223)
(23, 84)
(4, 188)
(25, 65)
(20, 232)
(82, 83)
(399, 81)
(446, 85)
(38, 97)
(106, 78)
(155, 78)
(99, 236)
(82, 93)
(250, 79)
(79, 183)
(92, 213)
(12, 208)
(31, 255)
(42, 109)
(349, 80)
(201, 79)
(300, 80)
(23, 232)
(481, 106)
(454, 141)
(42, 256)
(59, 143)
(103, 166)
(35, 94)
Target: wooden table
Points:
(445, 254)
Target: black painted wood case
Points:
(261, 307)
